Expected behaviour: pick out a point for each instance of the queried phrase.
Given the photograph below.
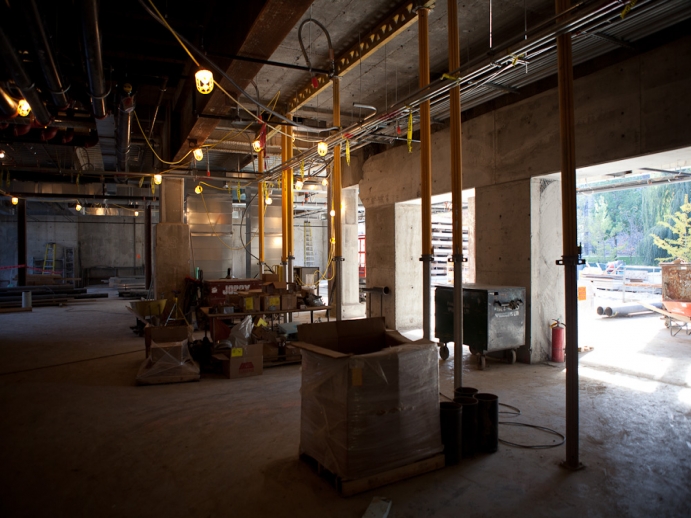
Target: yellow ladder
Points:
(49, 259)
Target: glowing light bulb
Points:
(205, 81)
(158, 179)
(325, 182)
(298, 184)
(322, 148)
(15, 200)
(136, 213)
(257, 145)
(2, 154)
(78, 207)
(198, 154)
(23, 108)
(198, 189)
(269, 201)
(332, 213)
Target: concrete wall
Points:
(630, 109)
(97, 240)
(394, 244)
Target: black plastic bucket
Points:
(469, 419)
(450, 416)
(464, 392)
(487, 422)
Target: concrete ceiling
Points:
(140, 51)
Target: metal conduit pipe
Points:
(456, 196)
(571, 253)
(21, 79)
(289, 208)
(425, 175)
(91, 39)
(8, 106)
(58, 91)
(366, 107)
(261, 212)
(164, 84)
(125, 109)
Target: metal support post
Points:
(147, 246)
(248, 234)
(425, 174)
(21, 242)
(571, 256)
(261, 212)
(456, 196)
(338, 203)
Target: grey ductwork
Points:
(124, 131)
(21, 79)
(91, 38)
(45, 57)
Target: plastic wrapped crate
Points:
(168, 362)
(370, 397)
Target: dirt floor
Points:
(80, 439)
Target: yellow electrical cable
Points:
(163, 20)
(136, 117)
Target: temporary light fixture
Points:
(23, 108)
(136, 213)
(322, 148)
(15, 200)
(198, 154)
(298, 184)
(325, 182)
(257, 145)
(269, 201)
(158, 179)
(2, 154)
(78, 207)
(332, 213)
(205, 81)
(198, 189)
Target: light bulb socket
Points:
(198, 154)
(322, 148)
(205, 81)
(158, 179)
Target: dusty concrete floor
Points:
(80, 439)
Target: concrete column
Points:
(351, 306)
(22, 257)
(394, 238)
(172, 241)
(517, 234)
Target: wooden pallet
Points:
(350, 487)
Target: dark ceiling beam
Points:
(267, 31)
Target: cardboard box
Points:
(289, 301)
(271, 302)
(161, 334)
(244, 361)
(275, 288)
(251, 303)
(269, 277)
(370, 399)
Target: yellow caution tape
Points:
(347, 151)
(628, 8)
(410, 131)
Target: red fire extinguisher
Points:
(558, 341)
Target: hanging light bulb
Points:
(332, 213)
(198, 154)
(2, 154)
(298, 184)
(78, 207)
(269, 201)
(23, 108)
(136, 213)
(158, 179)
(257, 145)
(322, 148)
(15, 200)
(198, 189)
(325, 182)
(205, 81)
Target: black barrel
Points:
(451, 431)
(487, 422)
(469, 419)
(464, 392)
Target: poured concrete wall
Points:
(634, 108)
